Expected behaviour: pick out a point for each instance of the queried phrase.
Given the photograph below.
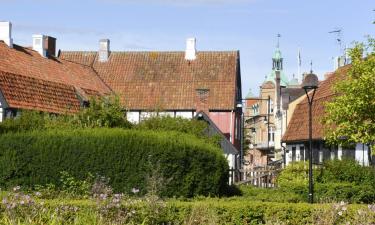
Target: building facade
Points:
(267, 113)
(296, 138)
(177, 84)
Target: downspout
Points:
(231, 127)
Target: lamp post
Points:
(310, 83)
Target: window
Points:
(271, 135)
(302, 152)
(320, 156)
(270, 109)
(293, 154)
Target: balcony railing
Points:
(263, 145)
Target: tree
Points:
(105, 111)
(350, 116)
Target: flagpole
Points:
(299, 62)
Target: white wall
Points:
(137, 116)
(171, 114)
(232, 164)
(133, 117)
(361, 154)
(146, 115)
(184, 114)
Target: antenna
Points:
(278, 40)
(311, 65)
(338, 38)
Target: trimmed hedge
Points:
(339, 180)
(206, 211)
(188, 165)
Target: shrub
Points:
(102, 112)
(337, 180)
(191, 166)
(346, 170)
(198, 128)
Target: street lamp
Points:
(310, 83)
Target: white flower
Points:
(340, 213)
(344, 208)
(16, 188)
(135, 190)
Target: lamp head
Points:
(310, 81)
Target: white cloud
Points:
(54, 29)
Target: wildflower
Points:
(38, 194)
(135, 190)
(16, 188)
(22, 202)
(342, 203)
(343, 208)
(340, 213)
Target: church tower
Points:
(277, 59)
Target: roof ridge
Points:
(153, 51)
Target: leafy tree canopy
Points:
(350, 117)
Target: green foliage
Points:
(29, 120)
(102, 112)
(346, 170)
(191, 166)
(19, 208)
(351, 114)
(72, 187)
(337, 180)
(278, 194)
(197, 128)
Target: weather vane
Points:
(311, 65)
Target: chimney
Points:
(50, 44)
(39, 44)
(190, 52)
(6, 33)
(104, 50)
(202, 95)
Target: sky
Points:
(250, 26)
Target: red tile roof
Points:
(30, 93)
(165, 80)
(39, 77)
(24, 61)
(298, 127)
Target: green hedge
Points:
(338, 180)
(206, 211)
(187, 165)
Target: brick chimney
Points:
(201, 102)
(44, 45)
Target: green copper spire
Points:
(250, 94)
(277, 65)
